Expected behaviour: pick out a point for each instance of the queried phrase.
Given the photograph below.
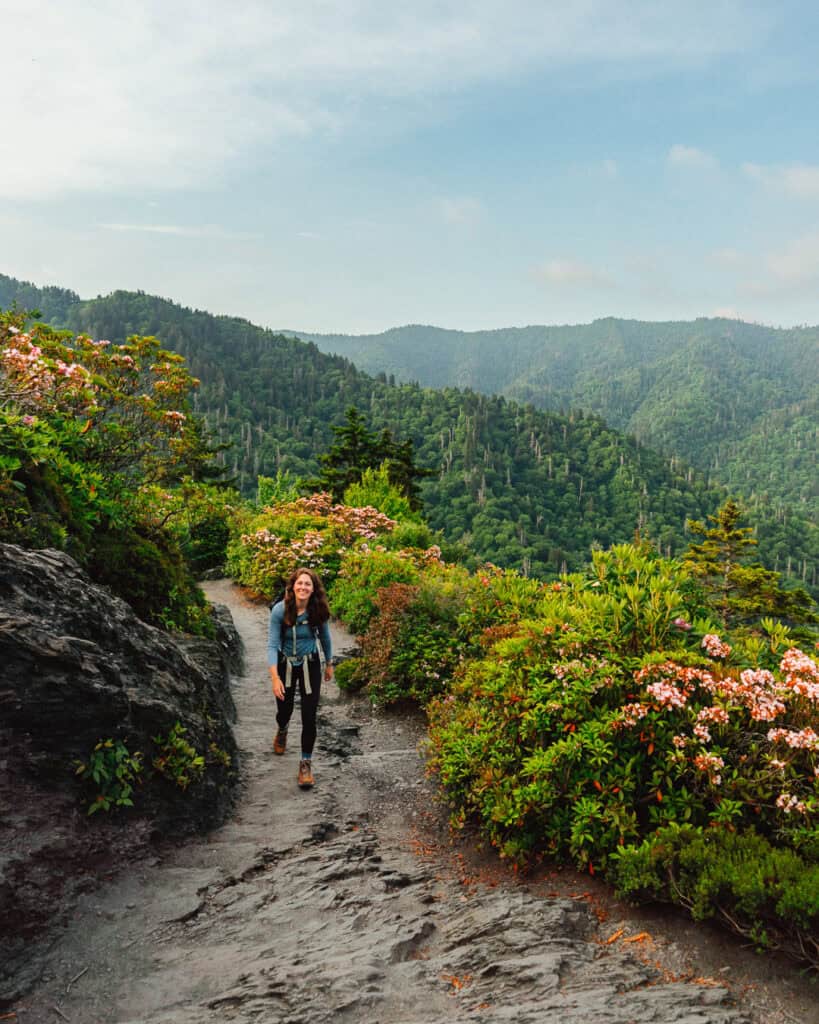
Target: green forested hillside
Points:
(524, 487)
(52, 303)
(738, 401)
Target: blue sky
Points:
(353, 167)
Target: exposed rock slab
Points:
(79, 666)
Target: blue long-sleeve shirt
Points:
(280, 637)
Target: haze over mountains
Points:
(738, 401)
(528, 488)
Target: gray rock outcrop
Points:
(77, 666)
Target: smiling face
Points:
(302, 588)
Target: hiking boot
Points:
(305, 774)
(280, 742)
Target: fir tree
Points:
(357, 449)
(740, 591)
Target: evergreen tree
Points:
(399, 458)
(741, 591)
(357, 449)
(354, 450)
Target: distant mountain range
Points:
(738, 401)
(525, 488)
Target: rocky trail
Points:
(350, 903)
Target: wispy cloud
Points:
(566, 273)
(461, 211)
(801, 181)
(690, 156)
(173, 96)
(797, 262)
(729, 258)
(183, 231)
(791, 270)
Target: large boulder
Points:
(76, 667)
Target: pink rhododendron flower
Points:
(667, 695)
(803, 739)
(715, 647)
(801, 674)
(713, 714)
(632, 713)
(710, 763)
(789, 803)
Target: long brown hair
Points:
(318, 611)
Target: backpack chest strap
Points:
(297, 660)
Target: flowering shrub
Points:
(573, 735)
(712, 725)
(84, 426)
(127, 403)
(311, 531)
(628, 751)
(712, 644)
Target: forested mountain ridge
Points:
(524, 487)
(53, 303)
(738, 401)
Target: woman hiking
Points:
(299, 653)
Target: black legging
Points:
(309, 701)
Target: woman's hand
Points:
(328, 672)
(277, 685)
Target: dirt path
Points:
(346, 903)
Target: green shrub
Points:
(413, 644)
(150, 574)
(496, 597)
(411, 535)
(375, 490)
(47, 499)
(278, 489)
(363, 572)
(205, 546)
(197, 515)
(177, 759)
(111, 772)
(766, 894)
(348, 675)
